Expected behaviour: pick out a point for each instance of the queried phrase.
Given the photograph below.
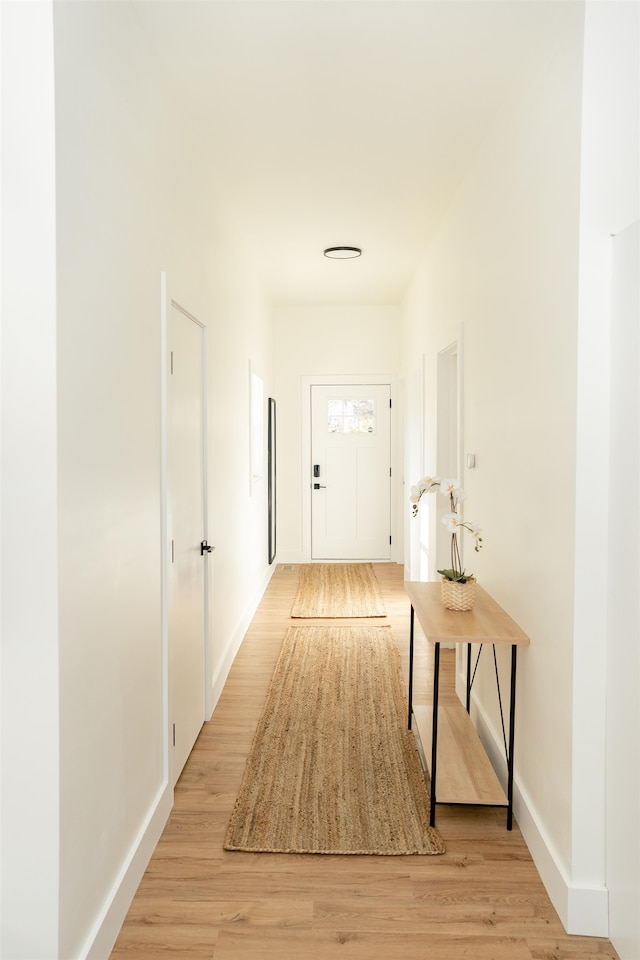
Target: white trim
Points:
(454, 350)
(460, 367)
(422, 420)
(401, 513)
(583, 911)
(164, 524)
(413, 426)
(105, 931)
(304, 555)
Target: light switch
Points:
(471, 461)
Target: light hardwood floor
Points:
(481, 900)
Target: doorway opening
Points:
(448, 456)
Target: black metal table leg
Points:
(512, 722)
(411, 667)
(468, 678)
(434, 732)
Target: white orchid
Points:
(452, 488)
(426, 485)
(453, 522)
(430, 481)
(476, 530)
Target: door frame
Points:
(397, 549)
(167, 302)
(449, 437)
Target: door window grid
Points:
(349, 416)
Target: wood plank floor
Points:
(482, 900)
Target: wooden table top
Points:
(487, 622)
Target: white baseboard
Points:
(235, 640)
(107, 927)
(588, 911)
(292, 556)
(583, 911)
(298, 556)
(100, 941)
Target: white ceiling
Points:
(329, 122)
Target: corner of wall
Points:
(583, 910)
(105, 931)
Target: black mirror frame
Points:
(271, 469)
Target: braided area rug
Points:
(338, 590)
(332, 768)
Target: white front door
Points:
(351, 472)
(186, 528)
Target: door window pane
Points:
(351, 416)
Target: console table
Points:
(460, 770)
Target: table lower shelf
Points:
(464, 773)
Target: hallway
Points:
(482, 156)
(483, 899)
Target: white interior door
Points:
(186, 528)
(351, 472)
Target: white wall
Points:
(606, 722)
(242, 335)
(504, 266)
(608, 202)
(523, 262)
(323, 341)
(130, 192)
(113, 227)
(29, 648)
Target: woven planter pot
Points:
(458, 596)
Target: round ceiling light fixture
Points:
(342, 253)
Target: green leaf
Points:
(457, 576)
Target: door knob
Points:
(205, 548)
(319, 486)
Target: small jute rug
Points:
(332, 768)
(338, 590)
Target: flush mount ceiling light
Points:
(342, 253)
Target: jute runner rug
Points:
(332, 768)
(338, 590)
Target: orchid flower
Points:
(452, 522)
(452, 489)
